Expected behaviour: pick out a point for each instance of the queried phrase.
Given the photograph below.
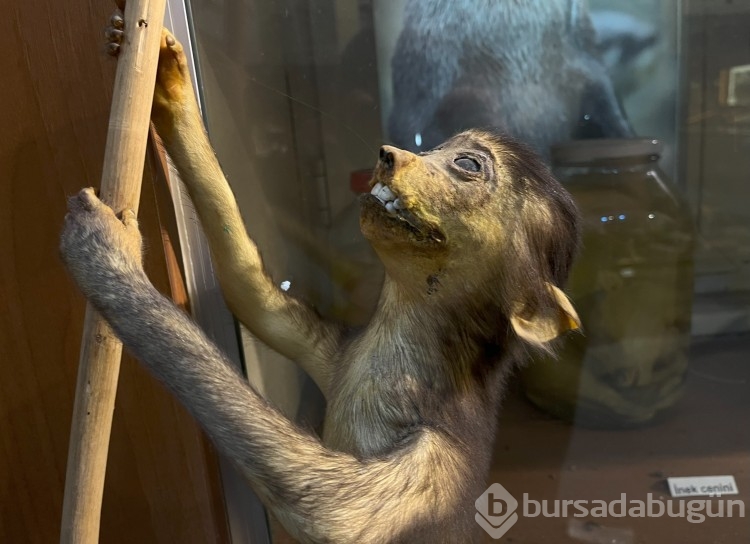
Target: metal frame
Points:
(245, 514)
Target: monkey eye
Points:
(469, 164)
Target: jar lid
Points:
(359, 180)
(583, 151)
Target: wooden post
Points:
(99, 363)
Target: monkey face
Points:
(432, 202)
(473, 196)
(481, 216)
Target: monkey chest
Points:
(369, 420)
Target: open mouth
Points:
(388, 198)
(384, 197)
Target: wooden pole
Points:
(99, 364)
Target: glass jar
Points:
(356, 270)
(632, 286)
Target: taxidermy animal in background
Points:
(530, 69)
(477, 239)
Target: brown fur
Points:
(474, 266)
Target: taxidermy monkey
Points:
(476, 238)
(531, 69)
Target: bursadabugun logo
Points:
(496, 508)
(496, 511)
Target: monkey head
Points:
(479, 220)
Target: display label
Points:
(697, 486)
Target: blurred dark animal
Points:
(531, 69)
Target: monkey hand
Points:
(173, 93)
(99, 249)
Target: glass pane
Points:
(640, 108)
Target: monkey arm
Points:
(279, 320)
(320, 495)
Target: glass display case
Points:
(632, 286)
(299, 95)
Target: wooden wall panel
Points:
(162, 484)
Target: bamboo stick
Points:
(99, 363)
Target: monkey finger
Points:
(113, 38)
(132, 242)
(117, 20)
(88, 196)
(113, 35)
(90, 203)
(172, 48)
(82, 202)
(112, 49)
(170, 41)
(129, 219)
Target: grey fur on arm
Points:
(304, 483)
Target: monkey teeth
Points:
(384, 194)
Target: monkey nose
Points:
(393, 157)
(386, 157)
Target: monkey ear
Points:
(547, 324)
